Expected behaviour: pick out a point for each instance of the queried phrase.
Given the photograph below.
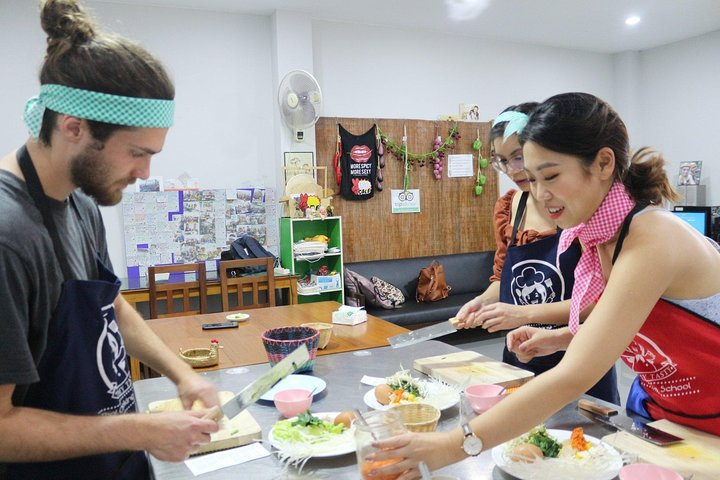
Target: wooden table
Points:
(243, 345)
(137, 291)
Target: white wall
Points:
(224, 66)
(680, 105)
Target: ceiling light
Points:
(632, 20)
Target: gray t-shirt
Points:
(30, 275)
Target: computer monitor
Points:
(699, 218)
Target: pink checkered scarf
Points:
(602, 226)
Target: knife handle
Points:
(215, 413)
(593, 407)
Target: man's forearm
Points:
(32, 435)
(142, 343)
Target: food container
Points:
(380, 424)
(482, 396)
(280, 342)
(643, 471)
(292, 402)
(325, 330)
(418, 417)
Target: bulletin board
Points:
(452, 218)
(188, 226)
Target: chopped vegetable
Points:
(307, 428)
(540, 438)
(578, 441)
(306, 419)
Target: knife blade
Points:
(259, 386)
(634, 425)
(423, 334)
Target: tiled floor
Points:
(493, 347)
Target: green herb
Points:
(306, 419)
(541, 439)
(234, 432)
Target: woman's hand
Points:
(466, 314)
(501, 316)
(530, 342)
(434, 449)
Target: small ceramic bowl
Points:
(647, 471)
(292, 402)
(482, 396)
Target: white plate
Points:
(238, 317)
(543, 470)
(432, 387)
(304, 382)
(340, 449)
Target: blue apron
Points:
(84, 369)
(530, 276)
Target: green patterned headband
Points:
(97, 106)
(516, 121)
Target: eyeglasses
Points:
(503, 165)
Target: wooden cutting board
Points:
(698, 455)
(467, 368)
(241, 430)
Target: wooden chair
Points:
(255, 281)
(172, 290)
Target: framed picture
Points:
(470, 112)
(689, 173)
(299, 162)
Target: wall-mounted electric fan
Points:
(300, 101)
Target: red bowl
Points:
(292, 402)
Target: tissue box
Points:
(327, 282)
(347, 315)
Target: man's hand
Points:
(172, 436)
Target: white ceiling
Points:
(590, 25)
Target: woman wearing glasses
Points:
(527, 287)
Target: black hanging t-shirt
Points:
(358, 164)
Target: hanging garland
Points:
(400, 151)
(482, 165)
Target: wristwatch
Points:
(472, 445)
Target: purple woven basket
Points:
(280, 342)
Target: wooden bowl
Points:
(418, 417)
(325, 330)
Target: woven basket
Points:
(325, 329)
(418, 417)
(280, 342)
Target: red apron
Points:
(676, 355)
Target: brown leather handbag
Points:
(431, 284)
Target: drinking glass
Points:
(380, 424)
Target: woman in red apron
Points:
(654, 306)
(525, 272)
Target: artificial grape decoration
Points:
(439, 158)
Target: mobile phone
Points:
(212, 326)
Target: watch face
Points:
(472, 445)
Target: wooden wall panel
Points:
(452, 218)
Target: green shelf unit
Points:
(293, 230)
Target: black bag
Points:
(243, 248)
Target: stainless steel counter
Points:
(342, 372)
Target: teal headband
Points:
(516, 121)
(97, 106)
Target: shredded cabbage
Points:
(296, 444)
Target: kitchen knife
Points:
(257, 388)
(635, 425)
(423, 334)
